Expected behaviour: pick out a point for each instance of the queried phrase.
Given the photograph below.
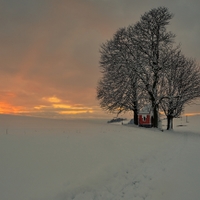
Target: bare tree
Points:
(118, 89)
(181, 85)
(148, 41)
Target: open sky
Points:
(49, 53)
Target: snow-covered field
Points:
(46, 159)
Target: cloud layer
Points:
(50, 49)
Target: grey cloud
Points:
(52, 47)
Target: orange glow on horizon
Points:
(6, 108)
(75, 112)
(191, 114)
(54, 106)
(62, 106)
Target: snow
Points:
(146, 109)
(49, 159)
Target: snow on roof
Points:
(145, 110)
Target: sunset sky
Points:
(49, 50)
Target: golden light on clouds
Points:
(62, 106)
(52, 99)
(40, 107)
(58, 106)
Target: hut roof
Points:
(145, 110)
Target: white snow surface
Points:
(47, 159)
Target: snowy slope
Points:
(45, 159)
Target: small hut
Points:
(145, 117)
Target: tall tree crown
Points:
(157, 17)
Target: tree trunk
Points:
(135, 117)
(169, 122)
(135, 113)
(155, 111)
(155, 116)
